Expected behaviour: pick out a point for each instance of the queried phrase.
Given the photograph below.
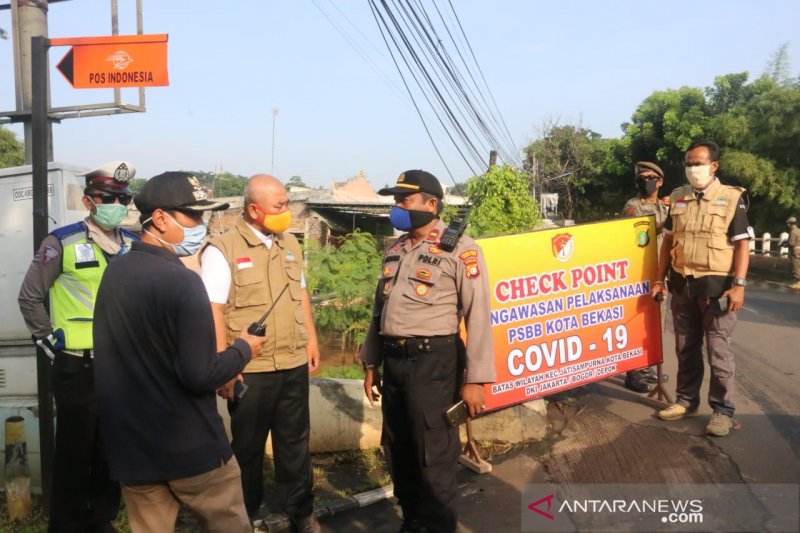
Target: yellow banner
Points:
(571, 306)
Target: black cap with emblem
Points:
(412, 181)
(174, 190)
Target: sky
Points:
(231, 63)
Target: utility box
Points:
(18, 392)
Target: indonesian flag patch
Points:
(243, 262)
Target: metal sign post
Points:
(40, 132)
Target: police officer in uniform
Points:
(793, 242)
(648, 179)
(422, 295)
(706, 253)
(68, 267)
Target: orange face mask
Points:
(275, 223)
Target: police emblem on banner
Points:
(642, 231)
(563, 246)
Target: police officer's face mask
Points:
(406, 219)
(109, 216)
(645, 186)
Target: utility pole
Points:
(28, 19)
(492, 158)
(272, 164)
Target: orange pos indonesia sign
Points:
(115, 61)
(571, 306)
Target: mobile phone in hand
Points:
(239, 388)
(723, 303)
(457, 414)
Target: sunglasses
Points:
(124, 199)
(649, 178)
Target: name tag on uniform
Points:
(243, 262)
(84, 256)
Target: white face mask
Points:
(699, 176)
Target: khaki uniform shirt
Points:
(794, 242)
(425, 291)
(640, 207)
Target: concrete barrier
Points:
(342, 419)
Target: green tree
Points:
(564, 160)
(342, 280)
(296, 181)
(136, 185)
(12, 152)
(226, 184)
(502, 203)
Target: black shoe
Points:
(638, 385)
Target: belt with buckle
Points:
(409, 347)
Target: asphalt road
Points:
(614, 435)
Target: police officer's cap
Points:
(174, 190)
(412, 181)
(112, 177)
(791, 220)
(646, 166)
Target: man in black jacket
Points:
(157, 368)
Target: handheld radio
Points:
(454, 230)
(259, 329)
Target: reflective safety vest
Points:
(73, 293)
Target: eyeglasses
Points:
(124, 199)
(642, 176)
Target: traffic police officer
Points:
(648, 179)
(68, 267)
(706, 251)
(422, 295)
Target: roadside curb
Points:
(279, 523)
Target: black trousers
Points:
(419, 385)
(84, 498)
(275, 402)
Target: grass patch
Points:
(341, 372)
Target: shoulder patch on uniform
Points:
(469, 256)
(473, 271)
(387, 271)
(289, 255)
(432, 236)
(390, 258)
(50, 253)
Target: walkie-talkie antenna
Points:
(258, 328)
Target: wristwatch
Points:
(741, 282)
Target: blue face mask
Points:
(405, 220)
(192, 238)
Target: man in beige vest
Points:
(706, 252)
(648, 178)
(245, 271)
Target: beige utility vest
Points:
(258, 276)
(700, 242)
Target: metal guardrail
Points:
(768, 245)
